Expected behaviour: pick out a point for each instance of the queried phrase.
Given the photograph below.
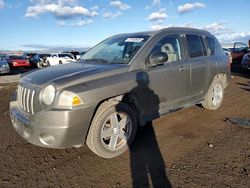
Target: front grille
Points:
(25, 98)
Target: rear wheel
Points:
(112, 130)
(60, 62)
(214, 96)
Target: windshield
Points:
(118, 49)
(66, 55)
(17, 58)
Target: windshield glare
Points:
(118, 49)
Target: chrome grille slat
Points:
(18, 95)
(27, 101)
(32, 102)
(25, 97)
(21, 97)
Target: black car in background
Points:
(39, 60)
(29, 55)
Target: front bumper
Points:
(53, 128)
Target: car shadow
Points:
(20, 71)
(245, 86)
(147, 164)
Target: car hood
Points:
(18, 60)
(3, 62)
(64, 75)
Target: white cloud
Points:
(217, 28)
(120, 5)
(1, 4)
(110, 15)
(159, 26)
(189, 7)
(156, 3)
(234, 36)
(159, 16)
(59, 10)
(61, 23)
(81, 23)
(223, 33)
(94, 8)
(156, 27)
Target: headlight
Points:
(48, 94)
(69, 99)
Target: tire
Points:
(108, 139)
(214, 96)
(48, 64)
(38, 65)
(60, 62)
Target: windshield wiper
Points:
(98, 60)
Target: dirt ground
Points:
(189, 148)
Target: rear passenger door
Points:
(171, 80)
(201, 64)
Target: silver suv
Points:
(124, 82)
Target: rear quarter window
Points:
(211, 45)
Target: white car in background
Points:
(60, 58)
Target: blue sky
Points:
(40, 24)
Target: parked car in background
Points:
(125, 81)
(29, 55)
(80, 55)
(3, 56)
(245, 64)
(73, 52)
(4, 66)
(39, 60)
(60, 58)
(18, 61)
(238, 50)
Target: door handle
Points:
(181, 68)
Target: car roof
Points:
(169, 29)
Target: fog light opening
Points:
(47, 139)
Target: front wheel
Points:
(112, 130)
(214, 96)
(48, 63)
(38, 65)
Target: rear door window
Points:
(196, 46)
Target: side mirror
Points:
(158, 58)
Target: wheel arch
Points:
(127, 98)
